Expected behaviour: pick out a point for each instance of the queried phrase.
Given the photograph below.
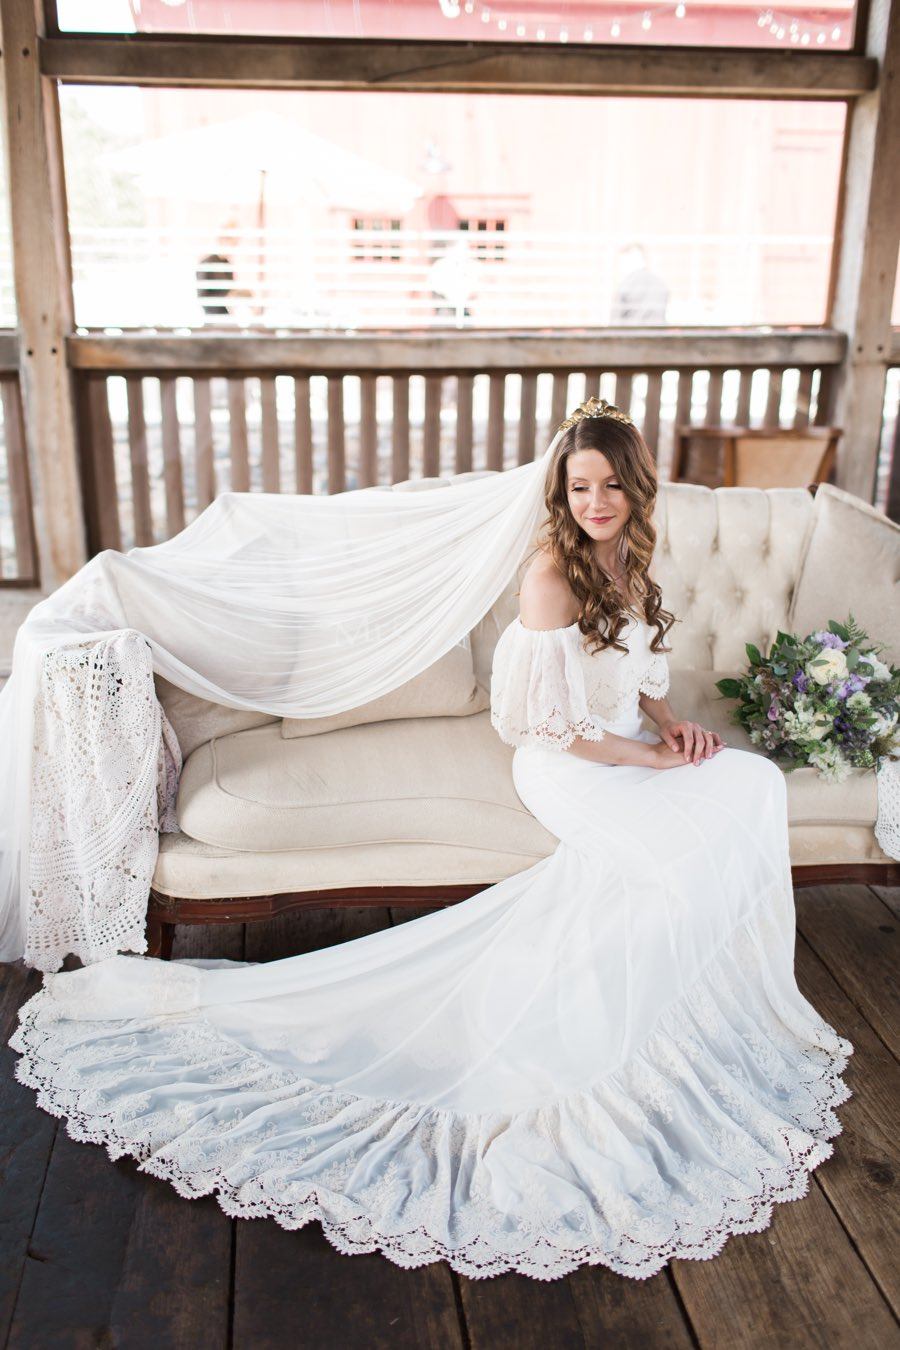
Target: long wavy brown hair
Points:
(603, 615)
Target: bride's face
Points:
(595, 495)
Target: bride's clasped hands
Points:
(685, 742)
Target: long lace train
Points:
(723, 1110)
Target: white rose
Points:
(818, 728)
(830, 664)
(882, 725)
(879, 670)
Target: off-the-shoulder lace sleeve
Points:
(655, 680)
(538, 694)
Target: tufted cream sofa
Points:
(424, 808)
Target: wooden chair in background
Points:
(764, 457)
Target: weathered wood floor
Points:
(94, 1253)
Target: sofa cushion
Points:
(811, 799)
(850, 562)
(437, 780)
(195, 720)
(190, 869)
(447, 688)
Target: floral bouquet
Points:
(826, 700)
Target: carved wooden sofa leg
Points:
(160, 936)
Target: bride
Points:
(602, 1059)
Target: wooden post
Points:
(866, 256)
(43, 282)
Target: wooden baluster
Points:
(271, 455)
(465, 388)
(237, 419)
(171, 446)
(745, 389)
(400, 432)
(368, 431)
(303, 447)
(559, 402)
(826, 397)
(592, 380)
(773, 400)
(804, 397)
(137, 449)
(683, 414)
(528, 419)
(336, 455)
(204, 463)
(714, 398)
(496, 421)
(651, 411)
(431, 439)
(99, 463)
(624, 381)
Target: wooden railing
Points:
(166, 422)
(18, 551)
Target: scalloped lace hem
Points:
(724, 1111)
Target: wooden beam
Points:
(637, 349)
(866, 251)
(42, 275)
(217, 61)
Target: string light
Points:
(778, 24)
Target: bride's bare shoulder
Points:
(545, 597)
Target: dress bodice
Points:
(546, 688)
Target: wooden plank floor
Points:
(93, 1253)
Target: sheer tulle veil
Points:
(298, 606)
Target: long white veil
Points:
(299, 606)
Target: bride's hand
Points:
(663, 757)
(690, 741)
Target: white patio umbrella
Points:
(260, 159)
(224, 162)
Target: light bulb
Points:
(485, 16)
(540, 35)
(804, 38)
(779, 32)
(645, 21)
(563, 35)
(835, 33)
(520, 30)
(501, 24)
(588, 34)
(615, 30)
(679, 11)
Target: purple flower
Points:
(851, 685)
(800, 681)
(772, 714)
(826, 639)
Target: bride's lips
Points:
(600, 520)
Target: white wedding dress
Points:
(602, 1059)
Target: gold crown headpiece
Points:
(595, 407)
